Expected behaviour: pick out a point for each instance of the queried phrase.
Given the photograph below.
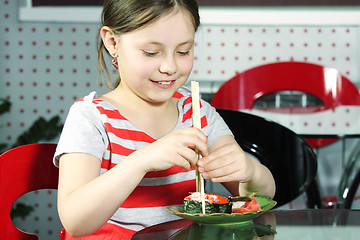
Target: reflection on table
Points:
(276, 224)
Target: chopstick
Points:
(195, 95)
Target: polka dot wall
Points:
(46, 66)
(221, 51)
(44, 220)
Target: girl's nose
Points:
(168, 66)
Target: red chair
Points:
(327, 84)
(24, 169)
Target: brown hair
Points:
(124, 16)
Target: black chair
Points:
(289, 157)
(352, 191)
(350, 180)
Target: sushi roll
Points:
(213, 204)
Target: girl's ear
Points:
(109, 40)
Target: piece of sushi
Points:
(213, 204)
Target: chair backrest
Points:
(289, 158)
(351, 194)
(24, 169)
(242, 91)
(350, 180)
(325, 83)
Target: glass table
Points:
(306, 224)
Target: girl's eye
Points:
(150, 54)
(183, 53)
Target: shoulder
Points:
(185, 101)
(183, 92)
(86, 107)
(89, 98)
(87, 102)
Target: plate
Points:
(225, 218)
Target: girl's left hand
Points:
(238, 172)
(227, 163)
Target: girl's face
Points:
(156, 60)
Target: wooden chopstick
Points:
(195, 95)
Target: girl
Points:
(124, 157)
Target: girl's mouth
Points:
(164, 84)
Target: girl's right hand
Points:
(175, 149)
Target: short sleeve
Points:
(83, 132)
(217, 127)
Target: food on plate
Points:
(245, 204)
(218, 204)
(213, 204)
(252, 206)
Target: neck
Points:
(138, 103)
(155, 119)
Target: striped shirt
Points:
(96, 127)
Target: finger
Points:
(212, 162)
(221, 171)
(190, 156)
(182, 162)
(198, 140)
(227, 178)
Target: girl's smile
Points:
(164, 84)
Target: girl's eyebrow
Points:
(180, 44)
(187, 42)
